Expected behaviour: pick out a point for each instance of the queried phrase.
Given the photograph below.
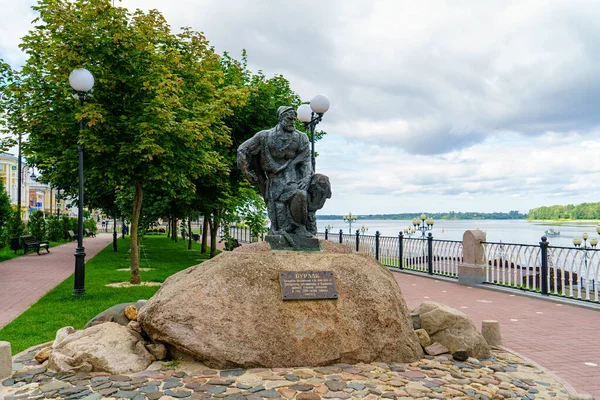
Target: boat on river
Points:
(552, 232)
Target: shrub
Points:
(68, 224)
(54, 229)
(90, 225)
(36, 225)
(5, 214)
(14, 226)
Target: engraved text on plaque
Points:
(307, 285)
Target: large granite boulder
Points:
(108, 347)
(228, 312)
(452, 328)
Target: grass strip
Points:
(59, 308)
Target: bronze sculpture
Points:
(278, 160)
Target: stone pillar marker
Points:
(490, 329)
(472, 270)
(5, 360)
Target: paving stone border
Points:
(504, 375)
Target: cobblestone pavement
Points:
(504, 375)
(562, 338)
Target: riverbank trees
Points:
(566, 212)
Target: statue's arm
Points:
(250, 148)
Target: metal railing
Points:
(434, 257)
(550, 270)
(243, 235)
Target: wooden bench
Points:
(89, 233)
(71, 235)
(30, 243)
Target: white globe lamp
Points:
(304, 112)
(81, 80)
(320, 104)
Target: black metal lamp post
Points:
(19, 178)
(349, 219)
(423, 224)
(310, 116)
(82, 81)
(409, 231)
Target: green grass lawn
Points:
(59, 308)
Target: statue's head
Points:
(287, 118)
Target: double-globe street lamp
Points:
(593, 242)
(423, 224)
(82, 81)
(349, 219)
(310, 116)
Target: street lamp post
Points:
(310, 116)
(19, 178)
(349, 219)
(82, 81)
(593, 242)
(364, 229)
(423, 224)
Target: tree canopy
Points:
(161, 125)
(153, 119)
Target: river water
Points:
(507, 231)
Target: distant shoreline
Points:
(553, 221)
(559, 221)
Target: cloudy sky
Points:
(436, 105)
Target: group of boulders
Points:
(442, 329)
(113, 341)
(228, 312)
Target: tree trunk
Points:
(189, 232)
(214, 227)
(205, 223)
(174, 230)
(169, 226)
(135, 243)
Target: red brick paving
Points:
(559, 337)
(24, 280)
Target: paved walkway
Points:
(562, 338)
(24, 280)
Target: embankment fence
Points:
(550, 270)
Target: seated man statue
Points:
(279, 161)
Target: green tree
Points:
(153, 120)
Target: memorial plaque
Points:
(307, 285)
